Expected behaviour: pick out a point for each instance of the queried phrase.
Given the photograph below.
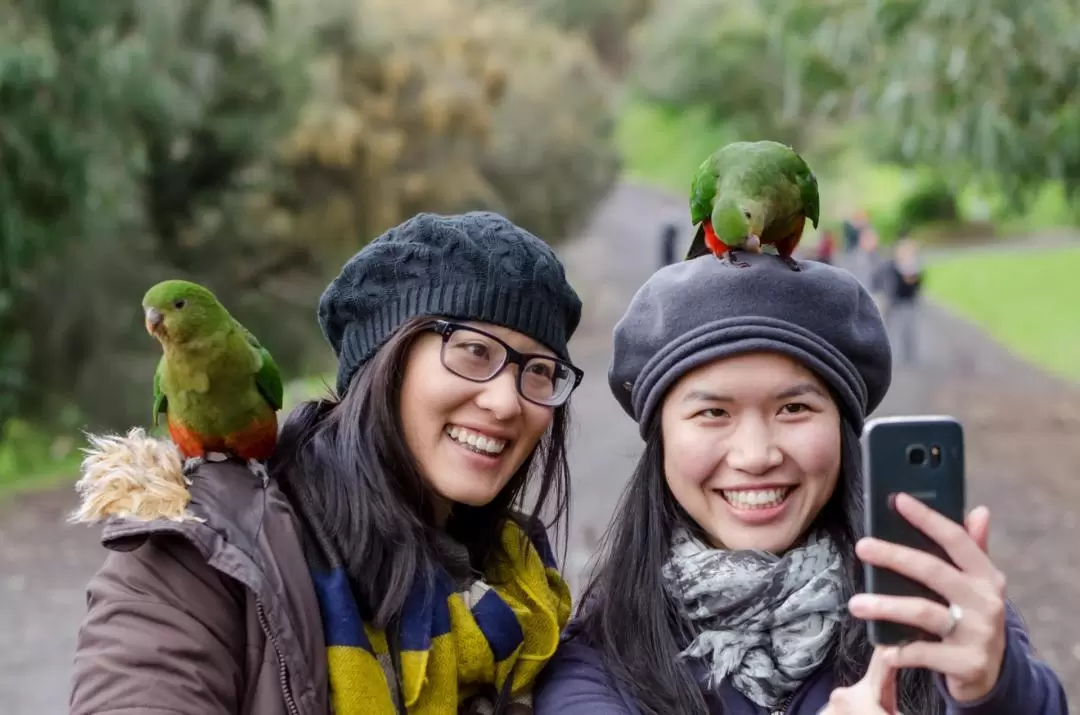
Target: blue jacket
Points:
(576, 682)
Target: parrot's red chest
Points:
(256, 441)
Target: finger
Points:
(878, 671)
(978, 527)
(952, 537)
(951, 660)
(934, 573)
(919, 612)
(887, 693)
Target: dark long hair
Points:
(348, 459)
(627, 588)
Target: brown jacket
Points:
(204, 604)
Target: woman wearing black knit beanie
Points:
(389, 566)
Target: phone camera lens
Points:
(916, 454)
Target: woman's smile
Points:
(476, 441)
(755, 506)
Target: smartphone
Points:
(924, 457)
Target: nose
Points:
(500, 396)
(751, 448)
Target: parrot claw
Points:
(791, 262)
(259, 470)
(736, 263)
(190, 465)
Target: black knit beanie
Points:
(474, 266)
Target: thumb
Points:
(978, 527)
(881, 678)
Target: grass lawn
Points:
(30, 460)
(1031, 305)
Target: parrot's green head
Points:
(736, 219)
(178, 311)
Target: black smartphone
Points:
(924, 457)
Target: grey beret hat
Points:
(693, 312)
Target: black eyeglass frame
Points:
(447, 328)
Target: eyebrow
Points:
(803, 388)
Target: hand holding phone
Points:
(930, 580)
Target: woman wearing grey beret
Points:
(728, 578)
(385, 567)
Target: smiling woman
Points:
(752, 449)
(729, 573)
(468, 421)
(384, 568)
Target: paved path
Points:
(1022, 430)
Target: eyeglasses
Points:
(479, 356)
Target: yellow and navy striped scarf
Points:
(452, 645)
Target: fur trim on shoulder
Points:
(133, 476)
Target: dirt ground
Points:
(1023, 445)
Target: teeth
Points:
(477, 442)
(756, 498)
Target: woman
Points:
(729, 577)
(382, 569)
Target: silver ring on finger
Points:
(956, 614)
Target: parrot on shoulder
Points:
(218, 387)
(749, 194)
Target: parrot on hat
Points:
(750, 194)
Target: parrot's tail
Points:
(698, 246)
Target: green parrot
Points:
(219, 388)
(748, 194)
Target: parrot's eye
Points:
(179, 303)
(746, 214)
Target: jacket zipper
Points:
(283, 671)
(782, 710)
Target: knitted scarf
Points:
(458, 649)
(764, 623)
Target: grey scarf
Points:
(765, 622)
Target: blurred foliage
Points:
(251, 145)
(930, 201)
(447, 106)
(743, 61)
(608, 24)
(984, 90)
(127, 136)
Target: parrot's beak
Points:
(154, 318)
(753, 243)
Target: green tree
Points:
(251, 145)
(981, 90)
(128, 137)
(746, 63)
(446, 106)
(608, 24)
